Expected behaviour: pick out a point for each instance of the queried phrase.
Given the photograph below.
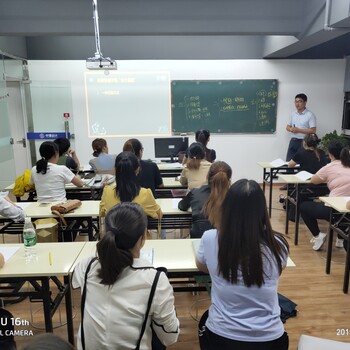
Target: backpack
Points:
(23, 185)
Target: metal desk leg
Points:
(69, 313)
(297, 216)
(347, 267)
(330, 244)
(270, 193)
(287, 208)
(47, 303)
(264, 179)
(90, 229)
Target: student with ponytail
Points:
(336, 175)
(103, 163)
(196, 167)
(127, 187)
(118, 286)
(310, 157)
(49, 178)
(205, 201)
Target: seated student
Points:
(245, 259)
(336, 175)
(195, 171)
(127, 188)
(49, 178)
(205, 201)
(149, 175)
(311, 159)
(9, 209)
(118, 287)
(103, 163)
(68, 156)
(203, 136)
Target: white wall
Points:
(321, 80)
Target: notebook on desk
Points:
(278, 162)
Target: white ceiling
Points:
(180, 29)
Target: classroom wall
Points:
(321, 80)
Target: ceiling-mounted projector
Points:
(100, 63)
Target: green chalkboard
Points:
(224, 106)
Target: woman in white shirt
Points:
(8, 209)
(244, 258)
(118, 287)
(49, 178)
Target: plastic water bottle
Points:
(29, 238)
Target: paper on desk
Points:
(23, 205)
(147, 254)
(278, 162)
(7, 252)
(174, 165)
(304, 175)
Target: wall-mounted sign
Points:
(45, 135)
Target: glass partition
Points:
(7, 164)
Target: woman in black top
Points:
(149, 175)
(310, 157)
(206, 200)
(203, 137)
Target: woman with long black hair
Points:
(245, 259)
(127, 187)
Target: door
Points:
(7, 166)
(17, 127)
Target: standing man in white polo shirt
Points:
(301, 122)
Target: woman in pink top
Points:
(337, 177)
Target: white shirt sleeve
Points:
(11, 211)
(165, 322)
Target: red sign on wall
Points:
(66, 115)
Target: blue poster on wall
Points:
(46, 135)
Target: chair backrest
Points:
(307, 342)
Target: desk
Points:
(293, 180)
(170, 185)
(338, 222)
(173, 217)
(169, 169)
(87, 211)
(177, 255)
(38, 273)
(269, 172)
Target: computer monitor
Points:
(169, 147)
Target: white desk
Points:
(173, 217)
(87, 210)
(297, 182)
(38, 272)
(177, 255)
(43, 210)
(338, 224)
(269, 172)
